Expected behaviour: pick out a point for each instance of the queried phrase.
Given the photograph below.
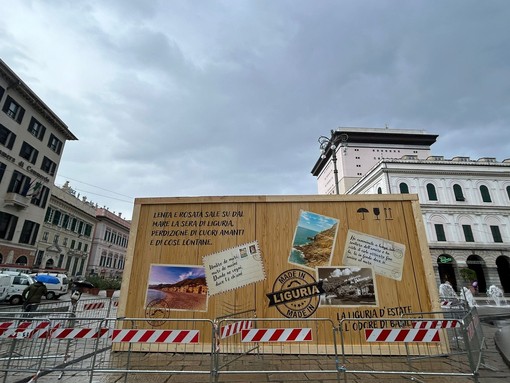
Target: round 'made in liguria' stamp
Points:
(295, 294)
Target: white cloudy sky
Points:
(189, 98)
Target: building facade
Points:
(465, 206)
(67, 232)
(109, 247)
(32, 140)
(358, 149)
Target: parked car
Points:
(12, 284)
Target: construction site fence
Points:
(50, 345)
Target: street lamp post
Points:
(330, 143)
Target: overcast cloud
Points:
(191, 98)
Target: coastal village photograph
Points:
(314, 240)
(177, 287)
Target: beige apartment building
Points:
(109, 245)
(32, 140)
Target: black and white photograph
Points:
(347, 286)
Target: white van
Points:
(55, 290)
(5, 282)
(14, 284)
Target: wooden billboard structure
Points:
(369, 253)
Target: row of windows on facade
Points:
(67, 222)
(25, 186)
(468, 233)
(111, 262)
(28, 152)
(75, 269)
(15, 111)
(8, 224)
(457, 191)
(75, 245)
(111, 236)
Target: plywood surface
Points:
(197, 227)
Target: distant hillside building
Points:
(32, 139)
(109, 247)
(465, 203)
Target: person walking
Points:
(32, 295)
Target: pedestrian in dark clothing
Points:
(32, 295)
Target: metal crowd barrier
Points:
(418, 346)
(42, 343)
(300, 347)
(94, 307)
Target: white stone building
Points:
(465, 203)
(66, 236)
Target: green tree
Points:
(467, 274)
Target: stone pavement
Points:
(496, 370)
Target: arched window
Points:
(457, 190)
(431, 192)
(50, 264)
(508, 191)
(484, 191)
(404, 189)
(22, 260)
(379, 190)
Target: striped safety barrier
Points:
(440, 323)
(93, 306)
(235, 328)
(156, 336)
(26, 329)
(401, 335)
(276, 335)
(43, 330)
(80, 333)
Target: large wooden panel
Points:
(181, 231)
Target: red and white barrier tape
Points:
(277, 335)
(235, 328)
(448, 323)
(43, 330)
(93, 306)
(156, 336)
(80, 333)
(26, 330)
(401, 335)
